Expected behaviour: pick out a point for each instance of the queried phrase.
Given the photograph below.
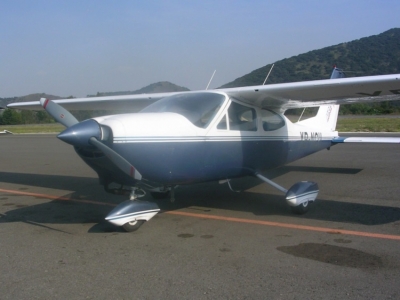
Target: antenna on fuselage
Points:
(211, 79)
(268, 74)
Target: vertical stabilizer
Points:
(337, 73)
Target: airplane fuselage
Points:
(167, 148)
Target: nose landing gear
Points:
(131, 214)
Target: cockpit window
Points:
(198, 108)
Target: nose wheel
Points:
(131, 214)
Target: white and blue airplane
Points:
(211, 135)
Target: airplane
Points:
(5, 132)
(189, 137)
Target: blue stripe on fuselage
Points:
(184, 160)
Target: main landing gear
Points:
(131, 214)
(299, 196)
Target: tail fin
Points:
(337, 73)
(327, 114)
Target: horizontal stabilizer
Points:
(383, 140)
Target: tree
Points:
(10, 117)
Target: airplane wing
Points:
(5, 132)
(280, 97)
(320, 92)
(128, 102)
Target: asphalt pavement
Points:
(211, 243)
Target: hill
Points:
(374, 55)
(159, 87)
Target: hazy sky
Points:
(83, 47)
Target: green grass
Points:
(350, 123)
(368, 124)
(344, 124)
(34, 128)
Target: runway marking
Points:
(229, 219)
(288, 225)
(54, 197)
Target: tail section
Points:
(337, 73)
(327, 117)
(327, 114)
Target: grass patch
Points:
(344, 124)
(351, 123)
(34, 128)
(368, 124)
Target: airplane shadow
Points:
(200, 198)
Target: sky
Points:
(76, 48)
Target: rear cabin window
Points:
(198, 108)
(240, 117)
(271, 120)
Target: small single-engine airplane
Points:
(212, 135)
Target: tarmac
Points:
(211, 243)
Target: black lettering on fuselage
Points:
(312, 136)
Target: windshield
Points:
(198, 108)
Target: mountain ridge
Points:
(374, 55)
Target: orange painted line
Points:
(229, 219)
(54, 197)
(286, 225)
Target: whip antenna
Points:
(210, 79)
(268, 73)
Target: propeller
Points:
(58, 112)
(117, 159)
(84, 134)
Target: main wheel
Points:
(133, 226)
(301, 209)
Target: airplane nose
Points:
(80, 133)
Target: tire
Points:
(132, 226)
(301, 209)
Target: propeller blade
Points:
(117, 159)
(58, 112)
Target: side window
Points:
(222, 123)
(271, 120)
(242, 118)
